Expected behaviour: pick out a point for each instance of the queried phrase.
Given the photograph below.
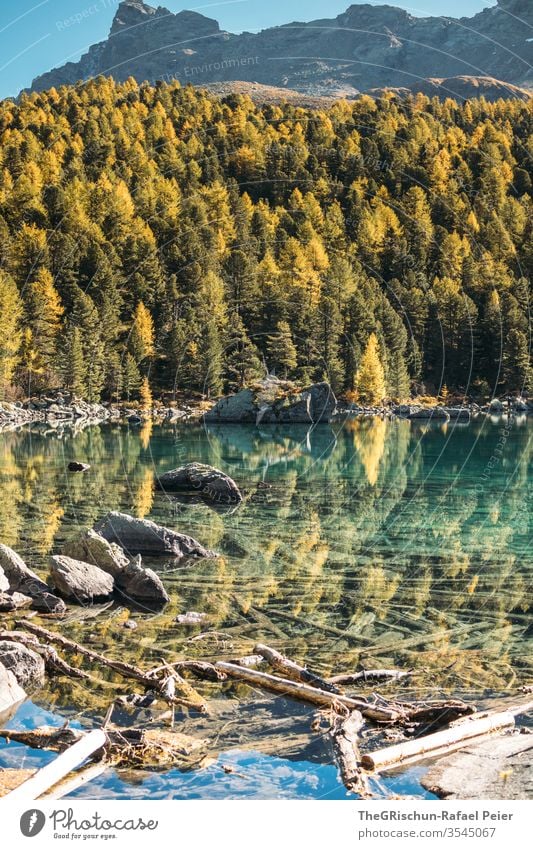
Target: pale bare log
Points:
(433, 745)
(60, 767)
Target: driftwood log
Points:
(312, 695)
(344, 733)
(434, 745)
(293, 670)
(55, 771)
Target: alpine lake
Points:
(368, 543)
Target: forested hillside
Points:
(158, 239)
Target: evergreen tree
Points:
(242, 363)
(131, 378)
(517, 370)
(282, 356)
(73, 366)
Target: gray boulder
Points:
(26, 665)
(496, 406)
(323, 402)
(14, 601)
(203, 480)
(83, 582)
(11, 694)
(234, 408)
(23, 580)
(435, 413)
(4, 583)
(142, 536)
(313, 405)
(141, 584)
(292, 409)
(90, 547)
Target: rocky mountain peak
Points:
(130, 13)
(365, 48)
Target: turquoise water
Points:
(364, 544)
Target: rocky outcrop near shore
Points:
(274, 401)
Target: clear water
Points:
(365, 544)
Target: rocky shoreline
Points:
(270, 402)
(59, 410)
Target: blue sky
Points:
(33, 38)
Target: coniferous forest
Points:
(157, 239)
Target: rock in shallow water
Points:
(141, 584)
(25, 664)
(141, 536)
(11, 694)
(82, 582)
(21, 579)
(199, 479)
(90, 547)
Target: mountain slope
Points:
(366, 47)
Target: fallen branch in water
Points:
(312, 695)
(433, 745)
(54, 664)
(184, 694)
(293, 670)
(370, 676)
(345, 737)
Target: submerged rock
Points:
(141, 584)
(78, 467)
(191, 618)
(26, 665)
(11, 694)
(199, 479)
(142, 536)
(91, 547)
(80, 581)
(23, 580)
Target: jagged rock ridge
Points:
(366, 47)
